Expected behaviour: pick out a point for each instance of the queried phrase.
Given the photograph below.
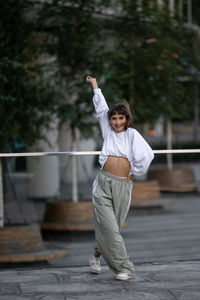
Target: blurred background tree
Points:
(27, 99)
(46, 51)
(72, 36)
(150, 58)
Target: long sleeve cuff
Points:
(97, 91)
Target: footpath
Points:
(163, 244)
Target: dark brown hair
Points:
(122, 109)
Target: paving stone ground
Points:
(164, 245)
(173, 280)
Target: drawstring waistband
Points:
(113, 176)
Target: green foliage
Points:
(154, 51)
(25, 105)
(27, 100)
(46, 51)
(72, 35)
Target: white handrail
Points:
(77, 153)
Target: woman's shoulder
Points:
(131, 131)
(133, 134)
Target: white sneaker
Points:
(95, 264)
(124, 276)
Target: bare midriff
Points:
(117, 166)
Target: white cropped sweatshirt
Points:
(129, 144)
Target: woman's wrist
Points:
(94, 84)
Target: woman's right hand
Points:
(92, 81)
(89, 79)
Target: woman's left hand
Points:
(130, 177)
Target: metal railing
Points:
(77, 153)
(74, 175)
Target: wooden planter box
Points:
(25, 244)
(145, 193)
(177, 180)
(65, 215)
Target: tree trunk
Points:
(196, 114)
(74, 169)
(131, 87)
(131, 80)
(169, 145)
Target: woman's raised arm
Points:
(100, 105)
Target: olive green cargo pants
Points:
(111, 200)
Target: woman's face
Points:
(118, 122)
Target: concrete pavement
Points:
(163, 244)
(154, 281)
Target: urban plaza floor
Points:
(164, 244)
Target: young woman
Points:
(125, 153)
